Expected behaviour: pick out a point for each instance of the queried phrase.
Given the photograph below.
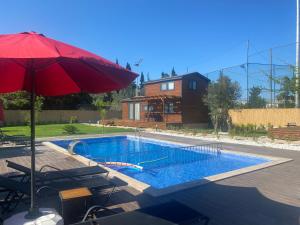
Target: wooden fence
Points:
(274, 117)
(287, 133)
(12, 117)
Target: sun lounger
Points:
(16, 190)
(57, 174)
(174, 212)
(15, 139)
(128, 218)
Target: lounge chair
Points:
(128, 218)
(15, 139)
(176, 212)
(56, 173)
(172, 211)
(16, 190)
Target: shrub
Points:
(110, 122)
(249, 130)
(194, 131)
(270, 126)
(73, 119)
(70, 129)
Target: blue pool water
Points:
(160, 164)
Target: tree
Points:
(17, 100)
(142, 80)
(21, 100)
(113, 99)
(173, 73)
(130, 90)
(118, 96)
(221, 96)
(117, 61)
(102, 106)
(38, 105)
(255, 100)
(72, 101)
(128, 66)
(164, 75)
(286, 96)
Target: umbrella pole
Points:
(33, 211)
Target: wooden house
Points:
(176, 100)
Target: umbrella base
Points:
(47, 217)
(33, 213)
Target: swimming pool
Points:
(161, 164)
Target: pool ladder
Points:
(138, 132)
(73, 144)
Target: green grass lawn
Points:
(51, 130)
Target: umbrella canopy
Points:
(43, 66)
(33, 62)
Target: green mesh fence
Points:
(272, 71)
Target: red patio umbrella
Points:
(42, 66)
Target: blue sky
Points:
(201, 35)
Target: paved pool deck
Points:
(267, 196)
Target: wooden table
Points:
(74, 203)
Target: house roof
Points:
(178, 77)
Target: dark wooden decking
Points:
(269, 196)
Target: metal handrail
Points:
(207, 147)
(74, 143)
(138, 132)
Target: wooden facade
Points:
(174, 100)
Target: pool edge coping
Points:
(146, 188)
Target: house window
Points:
(150, 108)
(146, 108)
(171, 86)
(167, 86)
(192, 85)
(131, 111)
(164, 86)
(169, 107)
